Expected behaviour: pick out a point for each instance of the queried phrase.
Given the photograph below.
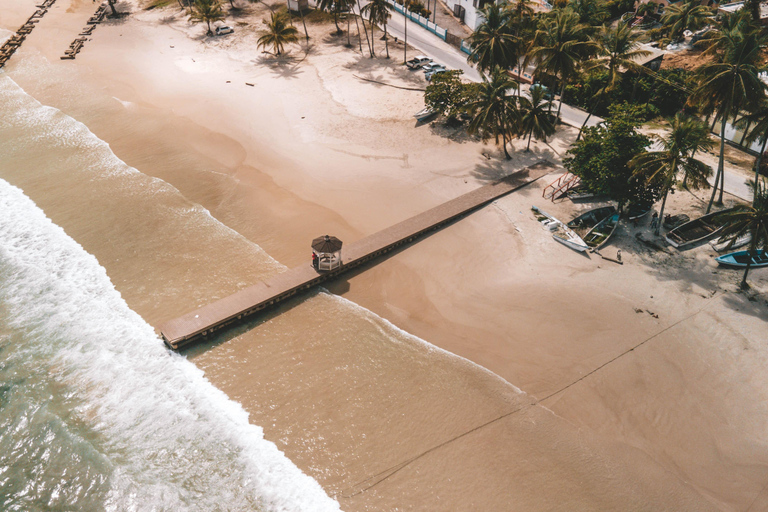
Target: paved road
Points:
(431, 45)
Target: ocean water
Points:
(95, 413)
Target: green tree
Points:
(601, 157)
(279, 33)
(378, 12)
(535, 116)
(206, 11)
(448, 95)
(752, 220)
(757, 120)
(494, 112)
(730, 83)
(661, 168)
(493, 43)
(690, 15)
(616, 51)
(560, 45)
(591, 13)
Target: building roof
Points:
(326, 244)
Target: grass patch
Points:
(159, 3)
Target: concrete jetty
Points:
(201, 323)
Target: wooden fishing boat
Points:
(638, 211)
(424, 114)
(740, 259)
(697, 230)
(560, 231)
(588, 220)
(599, 235)
(723, 246)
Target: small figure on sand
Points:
(654, 220)
(314, 260)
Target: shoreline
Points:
(492, 303)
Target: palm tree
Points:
(336, 7)
(591, 13)
(677, 147)
(279, 33)
(690, 15)
(757, 120)
(493, 111)
(536, 117)
(519, 12)
(493, 43)
(752, 220)
(617, 51)
(378, 11)
(206, 11)
(730, 83)
(560, 46)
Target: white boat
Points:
(424, 113)
(740, 242)
(560, 231)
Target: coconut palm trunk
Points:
(589, 115)
(386, 40)
(373, 39)
(720, 161)
(112, 6)
(661, 213)
(359, 36)
(304, 24)
(759, 162)
(362, 21)
(752, 251)
(562, 93)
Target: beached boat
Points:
(697, 230)
(599, 235)
(638, 211)
(560, 231)
(588, 220)
(424, 113)
(723, 246)
(740, 259)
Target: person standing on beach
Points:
(654, 220)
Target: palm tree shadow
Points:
(494, 169)
(752, 304)
(283, 66)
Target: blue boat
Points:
(741, 258)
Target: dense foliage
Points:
(448, 95)
(601, 158)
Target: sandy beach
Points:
(519, 375)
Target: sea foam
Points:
(172, 440)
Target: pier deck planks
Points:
(184, 329)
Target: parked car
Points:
(547, 93)
(418, 61)
(431, 65)
(432, 72)
(220, 31)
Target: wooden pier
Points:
(200, 323)
(14, 42)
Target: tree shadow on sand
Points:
(283, 66)
(497, 167)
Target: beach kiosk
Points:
(298, 5)
(326, 253)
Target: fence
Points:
(420, 20)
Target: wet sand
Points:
(310, 149)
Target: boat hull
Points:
(695, 231)
(740, 259)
